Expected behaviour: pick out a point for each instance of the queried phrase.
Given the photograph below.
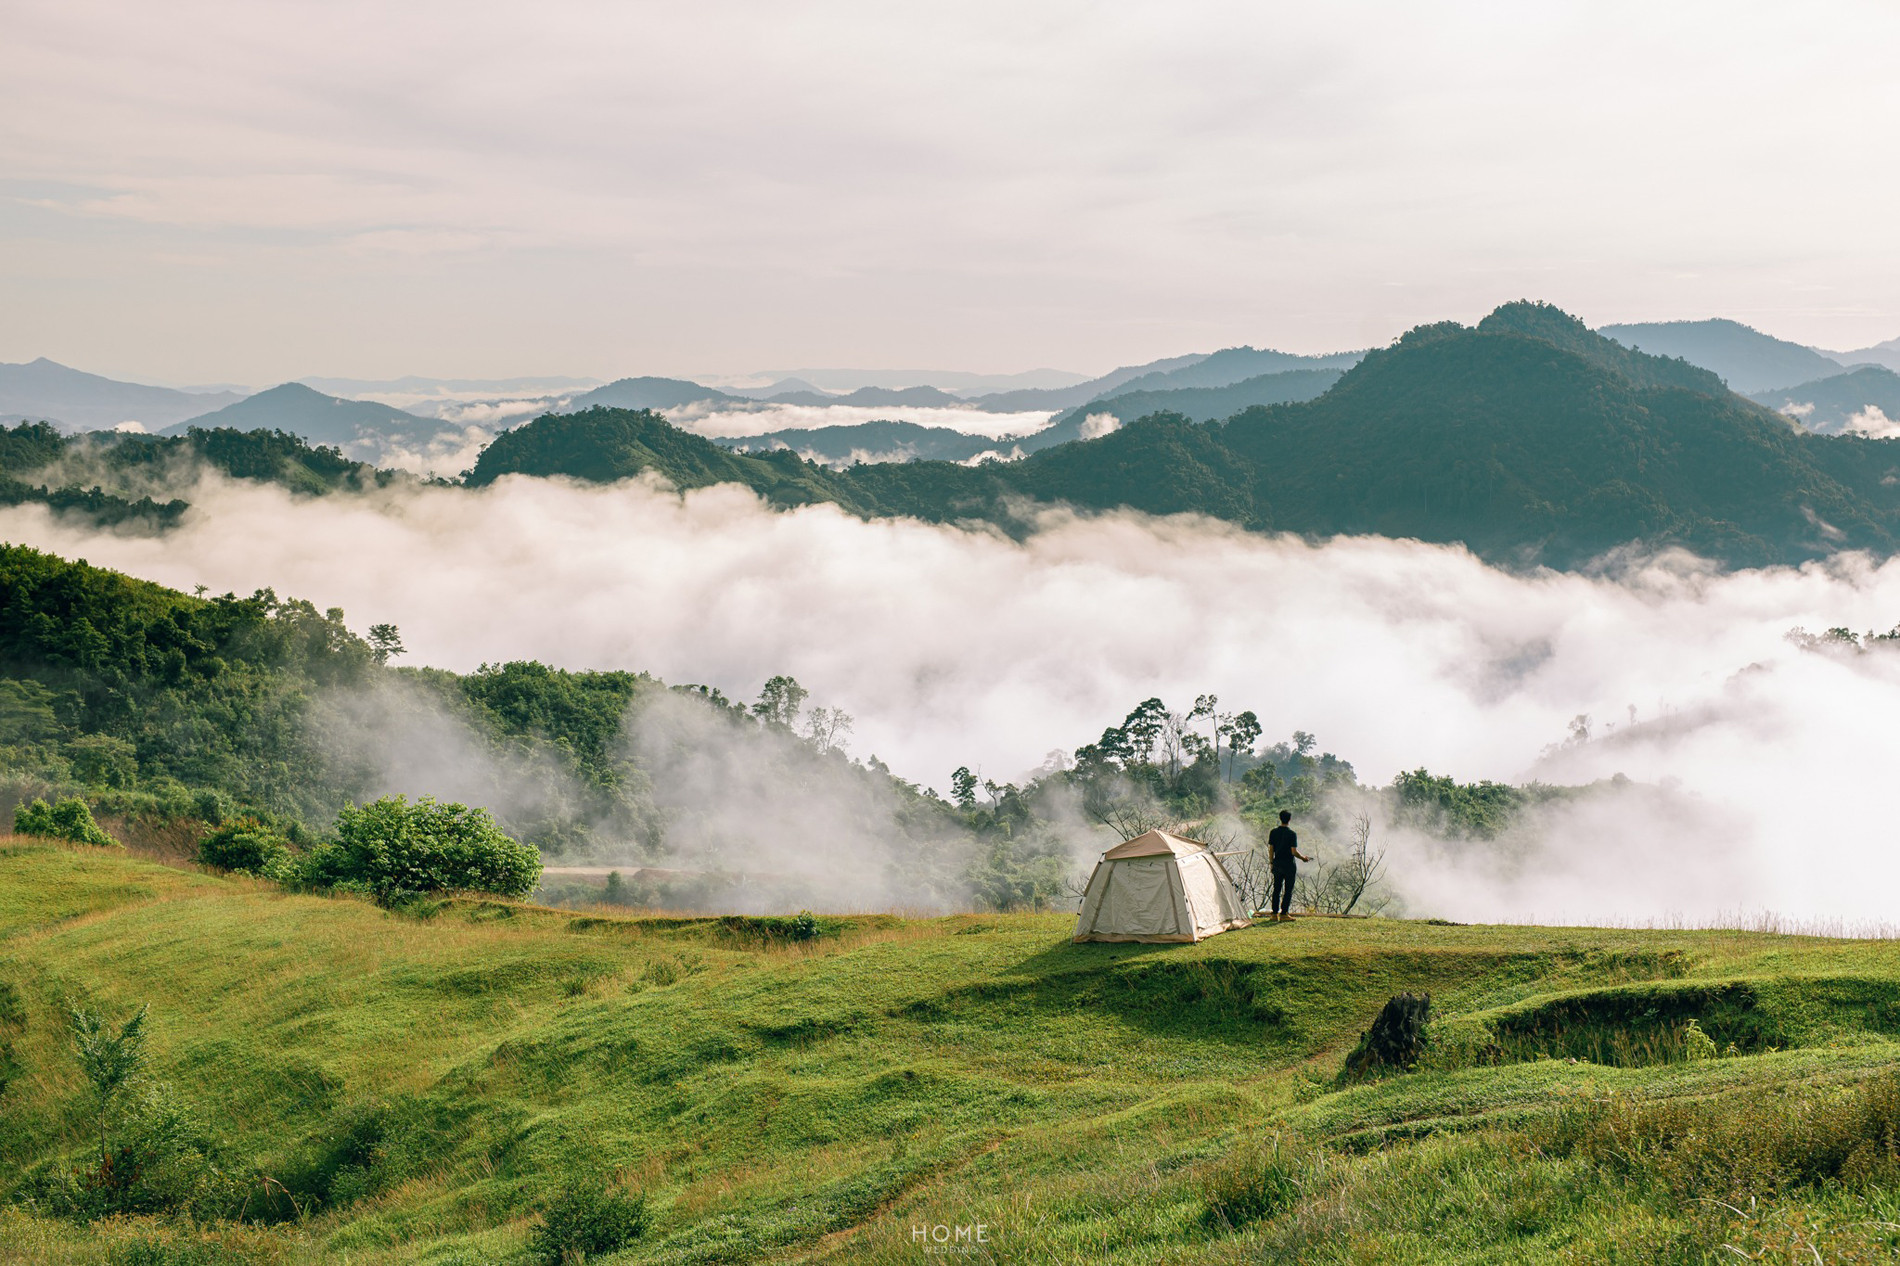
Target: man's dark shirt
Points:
(1281, 841)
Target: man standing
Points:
(1283, 855)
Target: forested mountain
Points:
(1870, 393)
(1745, 358)
(44, 390)
(1528, 438)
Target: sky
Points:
(202, 192)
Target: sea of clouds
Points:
(1759, 772)
(721, 420)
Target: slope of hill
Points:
(1745, 358)
(45, 390)
(1529, 438)
(417, 1086)
(1869, 394)
(1202, 404)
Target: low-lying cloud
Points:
(1760, 771)
(723, 421)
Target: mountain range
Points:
(1529, 438)
(1745, 358)
(46, 390)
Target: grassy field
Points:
(448, 1068)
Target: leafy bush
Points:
(69, 819)
(160, 1160)
(586, 1219)
(248, 846)
(395, 849)
(1254, 1181)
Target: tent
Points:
(1159, 887)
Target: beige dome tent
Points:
(1159, 887)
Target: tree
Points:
(69, 819)
(963, 787)
(1242, 732)
(1205, 706)
(111, 1061)
(1129, 818)
(780, 701)
(1363, 866)
(395, 848)
(1141, 729)
(385, 643)
(826, 728)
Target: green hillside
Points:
(380, 1088)
(1529, 439)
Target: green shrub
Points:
(587, 1219)
(160, 1160)
(1254, 1181)
(69, 819)
(212, 806)
(395, 849)
(248, 846)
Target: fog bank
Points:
(1760, 769)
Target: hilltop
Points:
(418, 1084)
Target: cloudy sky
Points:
(245, 192)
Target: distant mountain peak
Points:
(1746, 359)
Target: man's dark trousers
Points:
(1281, 899)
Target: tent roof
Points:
(1154, 844)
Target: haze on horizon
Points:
(217, 192)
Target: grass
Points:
(440, 1074)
